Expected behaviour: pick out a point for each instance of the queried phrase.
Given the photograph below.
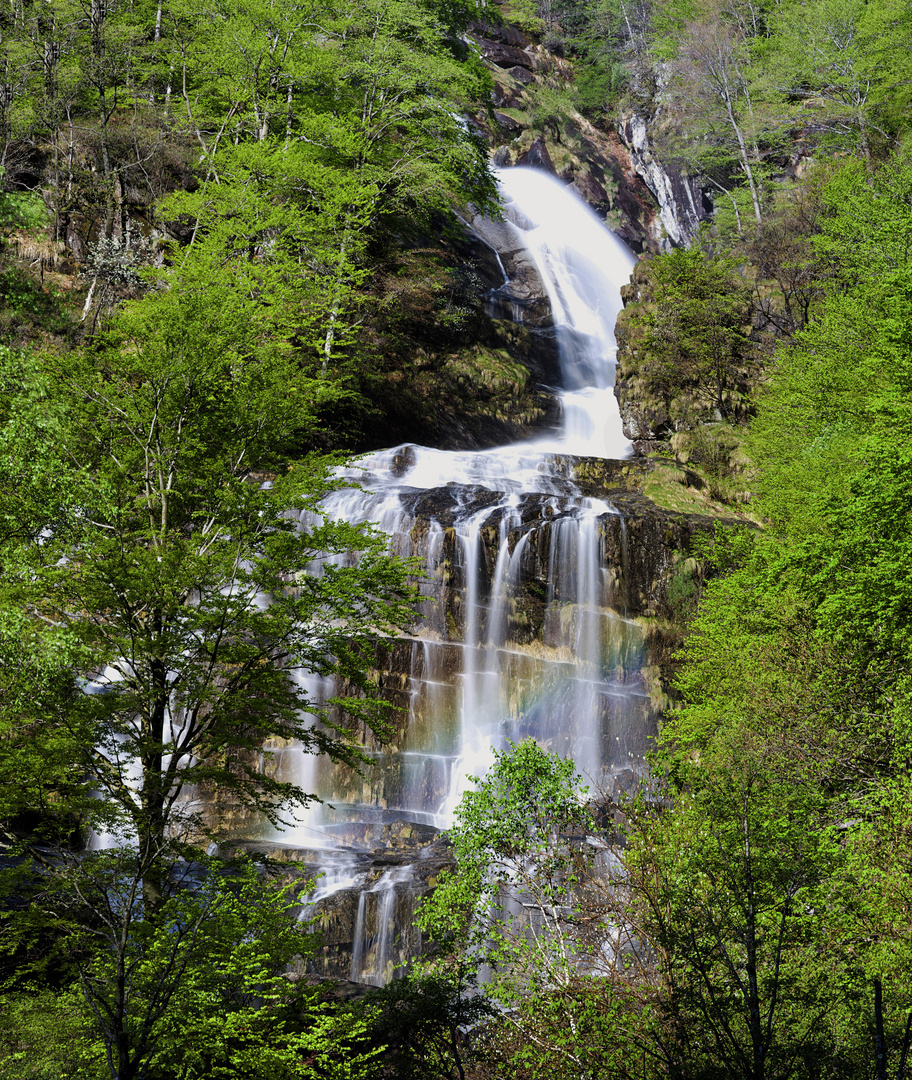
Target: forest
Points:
(233, 253)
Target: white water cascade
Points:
(523, 631)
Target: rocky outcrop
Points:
(663, 392)
(521, 293)
(556, 137)
(680, 199)
(362, 897)
(640, 545)
(504, 56)
(479, 373)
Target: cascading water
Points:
(583, 267)
(522, 633)
(373, 958)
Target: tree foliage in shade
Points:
(690, 340)
(200, 989)
(168, 600)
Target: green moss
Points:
(518, 115)
(672, 487)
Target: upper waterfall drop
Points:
(582, 266)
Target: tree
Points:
(346, 117)
(160, 600)
(529, 905)
(840, 390)
(84, 75)
(714, 80)
(429, 1023)
(734, 887)
(689, 337)
(809, 639)
(168, 582)
(839, 65)
(513, 857)
(794, 679)
(201, 990)
(710, 930)
(785, 257)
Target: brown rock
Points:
(505, 96)
(537, 157)
(507, 123)
(521, 75)
(506, 35)
(505, 56)
(592, 191)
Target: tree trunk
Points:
(336, 307)
(152, 828)
(745, 161)
(880, 1045)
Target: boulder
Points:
(507, 123)
(504, 56)
(505, 34)
(537, 156)
(522, 75)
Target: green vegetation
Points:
(518, 904)
(200, 990)
(228, 179)
(292, 146)
(687, 336)
(746, 913)
(252, 193)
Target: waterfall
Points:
(583, 267)
(374, 956)
(521, 633)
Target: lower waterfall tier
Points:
(543, 587)
(545, 616)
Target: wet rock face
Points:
(639, 542)
(635, 545)
(579, 645)
(521, 290)
(492, 384)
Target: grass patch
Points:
(686, 491)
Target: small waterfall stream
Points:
(523, 632)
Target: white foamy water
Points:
(583, 267)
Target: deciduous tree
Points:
(161, 600)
